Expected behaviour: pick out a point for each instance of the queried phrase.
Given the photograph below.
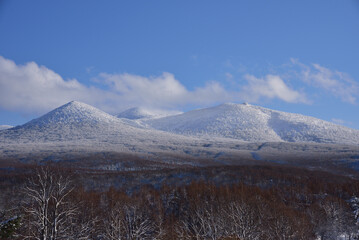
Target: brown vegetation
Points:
(242, 202)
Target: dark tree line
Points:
(53, 205)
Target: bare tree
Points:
(113, 225)
(204, 222)
(339, 220)
(244, 221)
(49, 213)
(131, 222)
(281, 228)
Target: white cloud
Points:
(339, 84)
(31, 88)
(271, 87)
(162, 91)
(138, 89)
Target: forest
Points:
(228, 202)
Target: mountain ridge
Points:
(237, 122)
(76, 131)
(71, 121)
(254, 124)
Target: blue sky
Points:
(295, 56)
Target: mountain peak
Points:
(73, 112)
(75, 104)
(71, 121)
(236, 104)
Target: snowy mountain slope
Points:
(78, 127)
(3, 127)
(77, 121)
(254, 124)
(78, 131)
(73, 120)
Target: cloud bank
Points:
(162, 91)
(31, 88)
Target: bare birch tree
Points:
(49, 213)
(205, 222)
(244, 221)
(131, 222)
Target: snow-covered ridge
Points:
(83, 123)
(254, 124)
(77, 129)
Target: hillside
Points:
(229, 134)
(77, 128)
(255, 124)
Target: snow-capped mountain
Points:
(244, 122)
(255, 124)
(76, 121)
(73, 120)
(3, 127)
(76, 130)
(77, 126)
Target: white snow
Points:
(75, 121)
(78, 127)
(226, 133)
(254, 124)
